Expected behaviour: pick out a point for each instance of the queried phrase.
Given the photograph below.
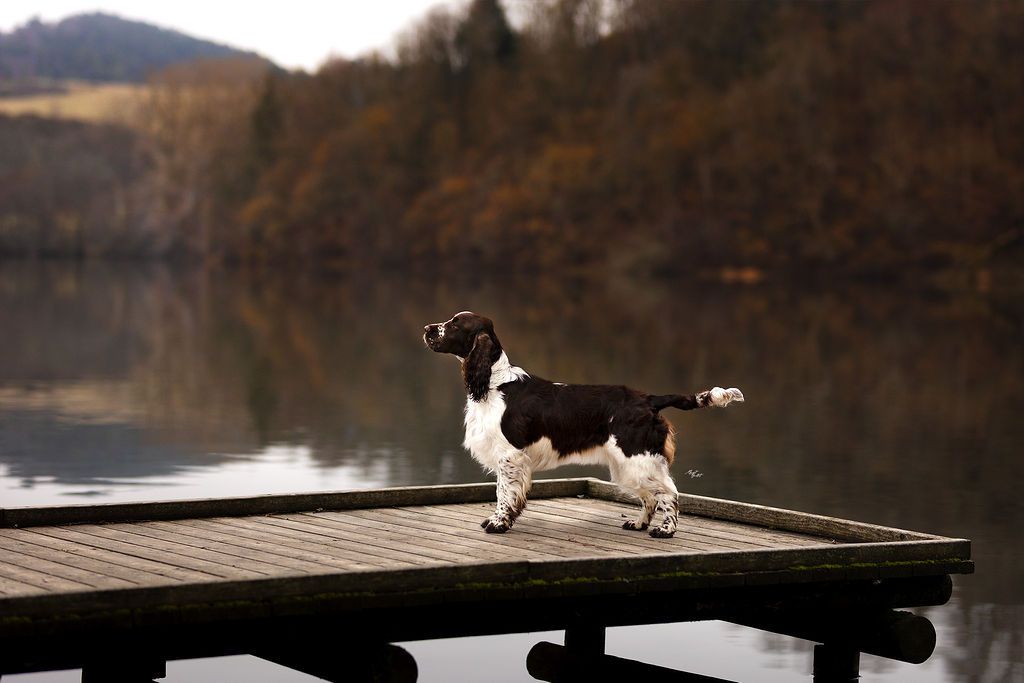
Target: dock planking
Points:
(277, 576)
(56, 560)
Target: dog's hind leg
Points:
(647, 476)
(621, 471)
(515, 475)
(667, 498)
(648, 503)
(668, 503)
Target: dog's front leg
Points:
(515, 475)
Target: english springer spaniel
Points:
(517, 424)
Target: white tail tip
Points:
(720, 397)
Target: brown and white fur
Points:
(518, 424)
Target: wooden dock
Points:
(205, 577)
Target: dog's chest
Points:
(484, 439)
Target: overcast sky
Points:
(294, 33)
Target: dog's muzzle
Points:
(432, 336)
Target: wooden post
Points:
(558, 664)
(383, 663)
(585, 639)
(892, 634)
(836, 663)
(124, 668)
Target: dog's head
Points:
(460, 334)
(470, 337)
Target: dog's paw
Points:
(661, 532)
(494, 525)
(634, 525)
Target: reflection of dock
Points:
(323, 582)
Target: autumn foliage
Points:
(650, 135)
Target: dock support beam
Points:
(383, 663)
(892, 634)
(123, 667)
(585, 639)
(836, 663)
(558, 664)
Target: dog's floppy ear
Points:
(476, 369)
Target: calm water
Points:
(895, 407)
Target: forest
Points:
(656, 136)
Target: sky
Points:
(295, 34)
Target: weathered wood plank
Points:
(440, 529)
(731, 536)
(99, 562)
(744, 531)
(64, 538)
(604, 520)
(215, 554)
(271, 543)
(775, 518)
(728, 531)
(445, 532)
(331, 542)
(602, 525)
(261, 505)
(815, 525)
(261, 551)
(596, 523)
(20, 554)
(147, 548)
(382, 534)
(467, 522)
(381, 544)
(13, 588)
(562, 541)
(39, 579)
(559, 528)
(341, 549)
(536, 521)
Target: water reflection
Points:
(894, 407)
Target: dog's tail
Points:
(717, 397)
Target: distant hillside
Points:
(100, 47)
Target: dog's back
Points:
(579, 417)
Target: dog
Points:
(518, 424)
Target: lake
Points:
(884, 404)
